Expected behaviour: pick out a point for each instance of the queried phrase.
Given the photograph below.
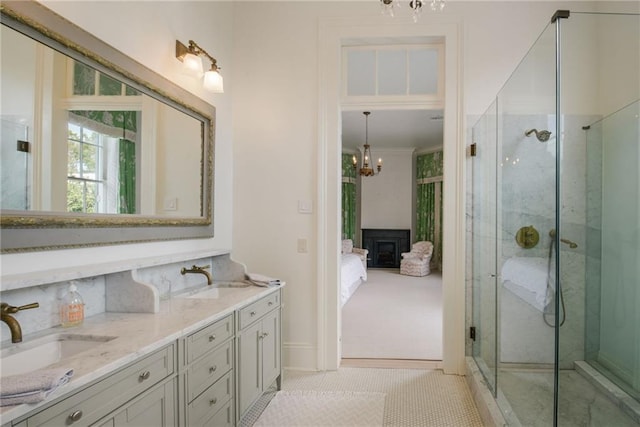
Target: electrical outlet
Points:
(170, 204)
(302, 246)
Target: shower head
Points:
(542, 135)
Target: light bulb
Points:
(192, 63)
(213, 81)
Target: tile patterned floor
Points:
(414, 397)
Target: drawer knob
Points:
(213, 401)
(270, 302)
(212, 369)
(212, 337)
(145, 375)
(75, 416)
(253, 313)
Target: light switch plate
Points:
(305, 206)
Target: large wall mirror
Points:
(95, 148)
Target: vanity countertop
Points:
(138, 334)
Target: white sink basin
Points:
(36, 354)
(216, 290)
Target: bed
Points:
(352, 274)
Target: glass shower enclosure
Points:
(555, 228)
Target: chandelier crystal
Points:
(367, 169)
(389, 7)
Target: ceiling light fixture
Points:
(366, 169)
(389, 6)
(192, 62)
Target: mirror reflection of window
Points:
(101, 162)
(89, 82)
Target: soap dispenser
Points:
(72, 308)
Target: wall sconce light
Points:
(190, 58)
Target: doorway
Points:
(332, 36)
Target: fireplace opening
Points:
(386, 252)
(385, 246)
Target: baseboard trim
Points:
(391, 363)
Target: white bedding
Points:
(352, 274)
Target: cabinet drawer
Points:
(95, 401)
(204, 372)
(211, 400)
(256, 310)
(223, 418)
(208, 338)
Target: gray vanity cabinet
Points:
(156, 407)
(145, 389)
(209, 375)
(258, 340)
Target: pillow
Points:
(347, 246)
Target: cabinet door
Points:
(270, 348)
(249, 369)
(155, 408)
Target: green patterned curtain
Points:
(429, 169)
(127, 176)
(348, 198)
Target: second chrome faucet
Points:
(198, 270)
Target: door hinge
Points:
(24, 146)
(472, 150)
(472, 333)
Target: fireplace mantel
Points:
(385, 246)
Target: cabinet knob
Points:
(75, 416)
(145, 375)
(213, 401)
(253, 313)
(270, 302)
(212, 369)
(212, 338)
(266, 334)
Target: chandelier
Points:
(388, 7)
(367, 169)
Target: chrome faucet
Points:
(199, 270)
(12, 323)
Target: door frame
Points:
(332, 35)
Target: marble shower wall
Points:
(527, 197)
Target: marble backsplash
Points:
(165, 278)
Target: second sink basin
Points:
(41, 352)
(216, 290)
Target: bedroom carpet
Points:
(392, 316)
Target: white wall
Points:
(386, 198)
(147, 32)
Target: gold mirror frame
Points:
(22, 231)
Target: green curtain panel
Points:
(429, 170)
(127, 176)
(426, 213)
(118, 124)
(348, 197)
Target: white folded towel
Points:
(32, 387)
(261, 280)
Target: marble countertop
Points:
(138, 334)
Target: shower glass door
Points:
(526, 214)
(483, 229)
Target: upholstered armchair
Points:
(347, 248)
(416, 262)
